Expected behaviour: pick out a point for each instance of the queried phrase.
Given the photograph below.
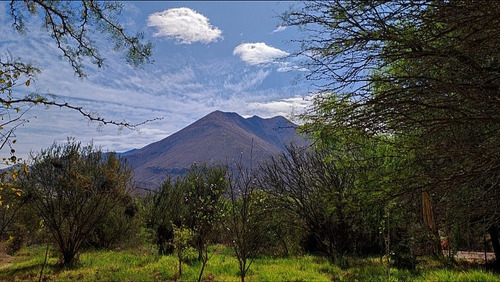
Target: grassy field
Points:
(144, 265)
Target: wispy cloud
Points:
(287, 67)
(179, 87)
(184, 25)
(279, 29)
(245, 81)
(258, 53)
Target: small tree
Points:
(165, 209)
(205, 188)
(247, 217)
(73, 187)
(180, 244)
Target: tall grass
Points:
(145, 265)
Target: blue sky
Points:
(229, 56)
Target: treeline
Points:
(317, 200)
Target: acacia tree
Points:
(71, 24)
(424, 72)
(73, 188)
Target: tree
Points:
(166, 209)
(205, 188)
(323, 195)
(180, 243)
(426, 73)
(119, 227)
(73, 188)
(71, 24)
(11, 212)
(247, 218)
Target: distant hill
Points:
(217, 138)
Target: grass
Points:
(144, 265)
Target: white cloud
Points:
(184, 25)
(279, 29)
(287, 107)
(258, 53)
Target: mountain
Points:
(217, 138)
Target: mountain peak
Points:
(217, 138)
(221, 113)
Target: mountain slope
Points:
(217, 138)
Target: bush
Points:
(119, 228)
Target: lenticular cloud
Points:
(184, 25)
(258, 53)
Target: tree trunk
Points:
(430, 222)
(243, 267)
(493, 230)
(179, 257)
(203, 264)
(68, 258)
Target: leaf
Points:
(28, 82)
(18, 193)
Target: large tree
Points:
(425, 73)
(73, 188)
(322, 192)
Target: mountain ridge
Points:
(217, 138)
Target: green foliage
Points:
(72, 188)
(163, 210)
(194, 202)
(119, 228)
(248, 219)
(419, 80)
(322, 194)
(182, 236)
(205, 189)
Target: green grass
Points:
(144, 265)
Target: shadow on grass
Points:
(31, 271)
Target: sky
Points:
(226, 55)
